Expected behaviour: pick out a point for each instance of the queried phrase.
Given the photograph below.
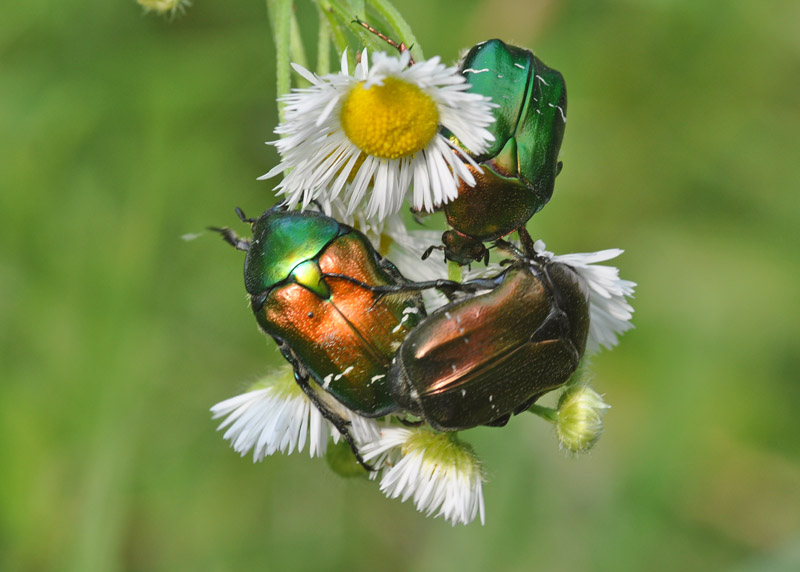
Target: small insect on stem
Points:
(401, 47)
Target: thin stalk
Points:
(546, 413)
(297, 52)
(454, 271)
(280, 16)
(323, 44)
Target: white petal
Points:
(609, 310)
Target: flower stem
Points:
(546, 413)
(323, 44)
(280, 15)
(454, 271)
(297, 51)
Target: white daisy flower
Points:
(609, 311)
(380, 128)
(275, 415)
(579, 418)
(442, 475)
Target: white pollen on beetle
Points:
(448, 316)
(460, 330)
(397, 328)
(466, 340)
(499, 76)
(541, 79)
(377, 377)
(453, 367)
(561, 111)
(490, 398)
(520, 66)
(344, 373)
(411, 310)
(472, 70)
(326, 381)
(463, 393)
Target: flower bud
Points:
(579, 418)
(168, 7)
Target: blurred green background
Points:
(121, 133)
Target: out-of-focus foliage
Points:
(121, 133)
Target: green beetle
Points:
(331, 330)
(518, 170)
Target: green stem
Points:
(297, 52)
(339, 37)
(280, 15)
(323, 44)
(546, 413)
(454, 271)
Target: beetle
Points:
(515, 176)
(493, 352)
(331, 331)
(517, 172)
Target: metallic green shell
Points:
(531, 113)
(520, 166)
(281, 241)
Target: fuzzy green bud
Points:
(579, 418)
(169, 7)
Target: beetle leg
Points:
(500, 421)
(526, 242)
(506, 246)
(243, 217)
(392, 271)
(445, 286)
(341, 424)
(232, 238)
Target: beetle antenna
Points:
(401, 47)
(430, 249)
(232, 238)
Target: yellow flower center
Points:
(390, 120)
